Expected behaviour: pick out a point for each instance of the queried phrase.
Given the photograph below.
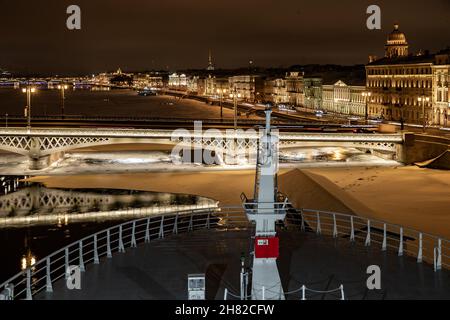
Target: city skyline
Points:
(145, 36)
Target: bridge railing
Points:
(387, 236)
(91, 249)
(404, 241)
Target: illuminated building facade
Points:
(250, 87)
(312, 93)
(274, 91)
(409, 88)
(295, 88)
(343, 99)
(146, 80)
(178, 81)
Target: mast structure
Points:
(265, 211)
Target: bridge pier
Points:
(42, 162)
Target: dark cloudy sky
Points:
(147, 34)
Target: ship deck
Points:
(159, 270)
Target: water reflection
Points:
(25, 203)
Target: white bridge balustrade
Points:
(104, 244)
(43, 146)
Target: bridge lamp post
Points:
(235, 96)
(423, 100)
(221, 92)
(366, 96)
(28, 91)
(63, 88)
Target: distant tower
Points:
(396, 45)
(210, 63)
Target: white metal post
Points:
(147, 231)
(342, 292)
(400, 246)
(335, 232)
(225, 294)
(207, 221)
(263, 293)
(368, 234)
(48, 286)
(175, 225)
(29, 295)
(108, 244)
(419, 254)
(303, 292)
(190, 227)
(66, 261)
(161, 228)
(302, 228)
(439, 255)
(80, 253)
(318, 229)
(121, 246)
(383, 247)
(133, 235)
(352, 232)
(96, 260)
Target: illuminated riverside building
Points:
(295, 88)
(178, 81)
(344, 99)
(145, 80)
(249, 87)
(312, 93)
(275, 91)
(412, 88)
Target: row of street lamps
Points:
(234, 95)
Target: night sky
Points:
(176, 34)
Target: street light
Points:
(235, 96)
(63, 97)
(423, 100)
(28, 90)
(221, 92)
(366, 96)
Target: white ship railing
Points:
(405, 241)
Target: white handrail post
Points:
(66, 262)
(419, 254)
(147, 231)
(318, 228)
(190, 227)
(302, 228)
(161, 228)
(352, 232)
(263, 293)
(80, 253)
(383, 247)
(29, 295)
(303, 292)
(439, 255)
(133, 235)
(335, 232)
(368, 234)
(108, 244)
(48, 286)
(225, 294)
(342, 292)
(400, 247)
(207, 221)
(96, 260)
(121, 246)
(175, 225)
